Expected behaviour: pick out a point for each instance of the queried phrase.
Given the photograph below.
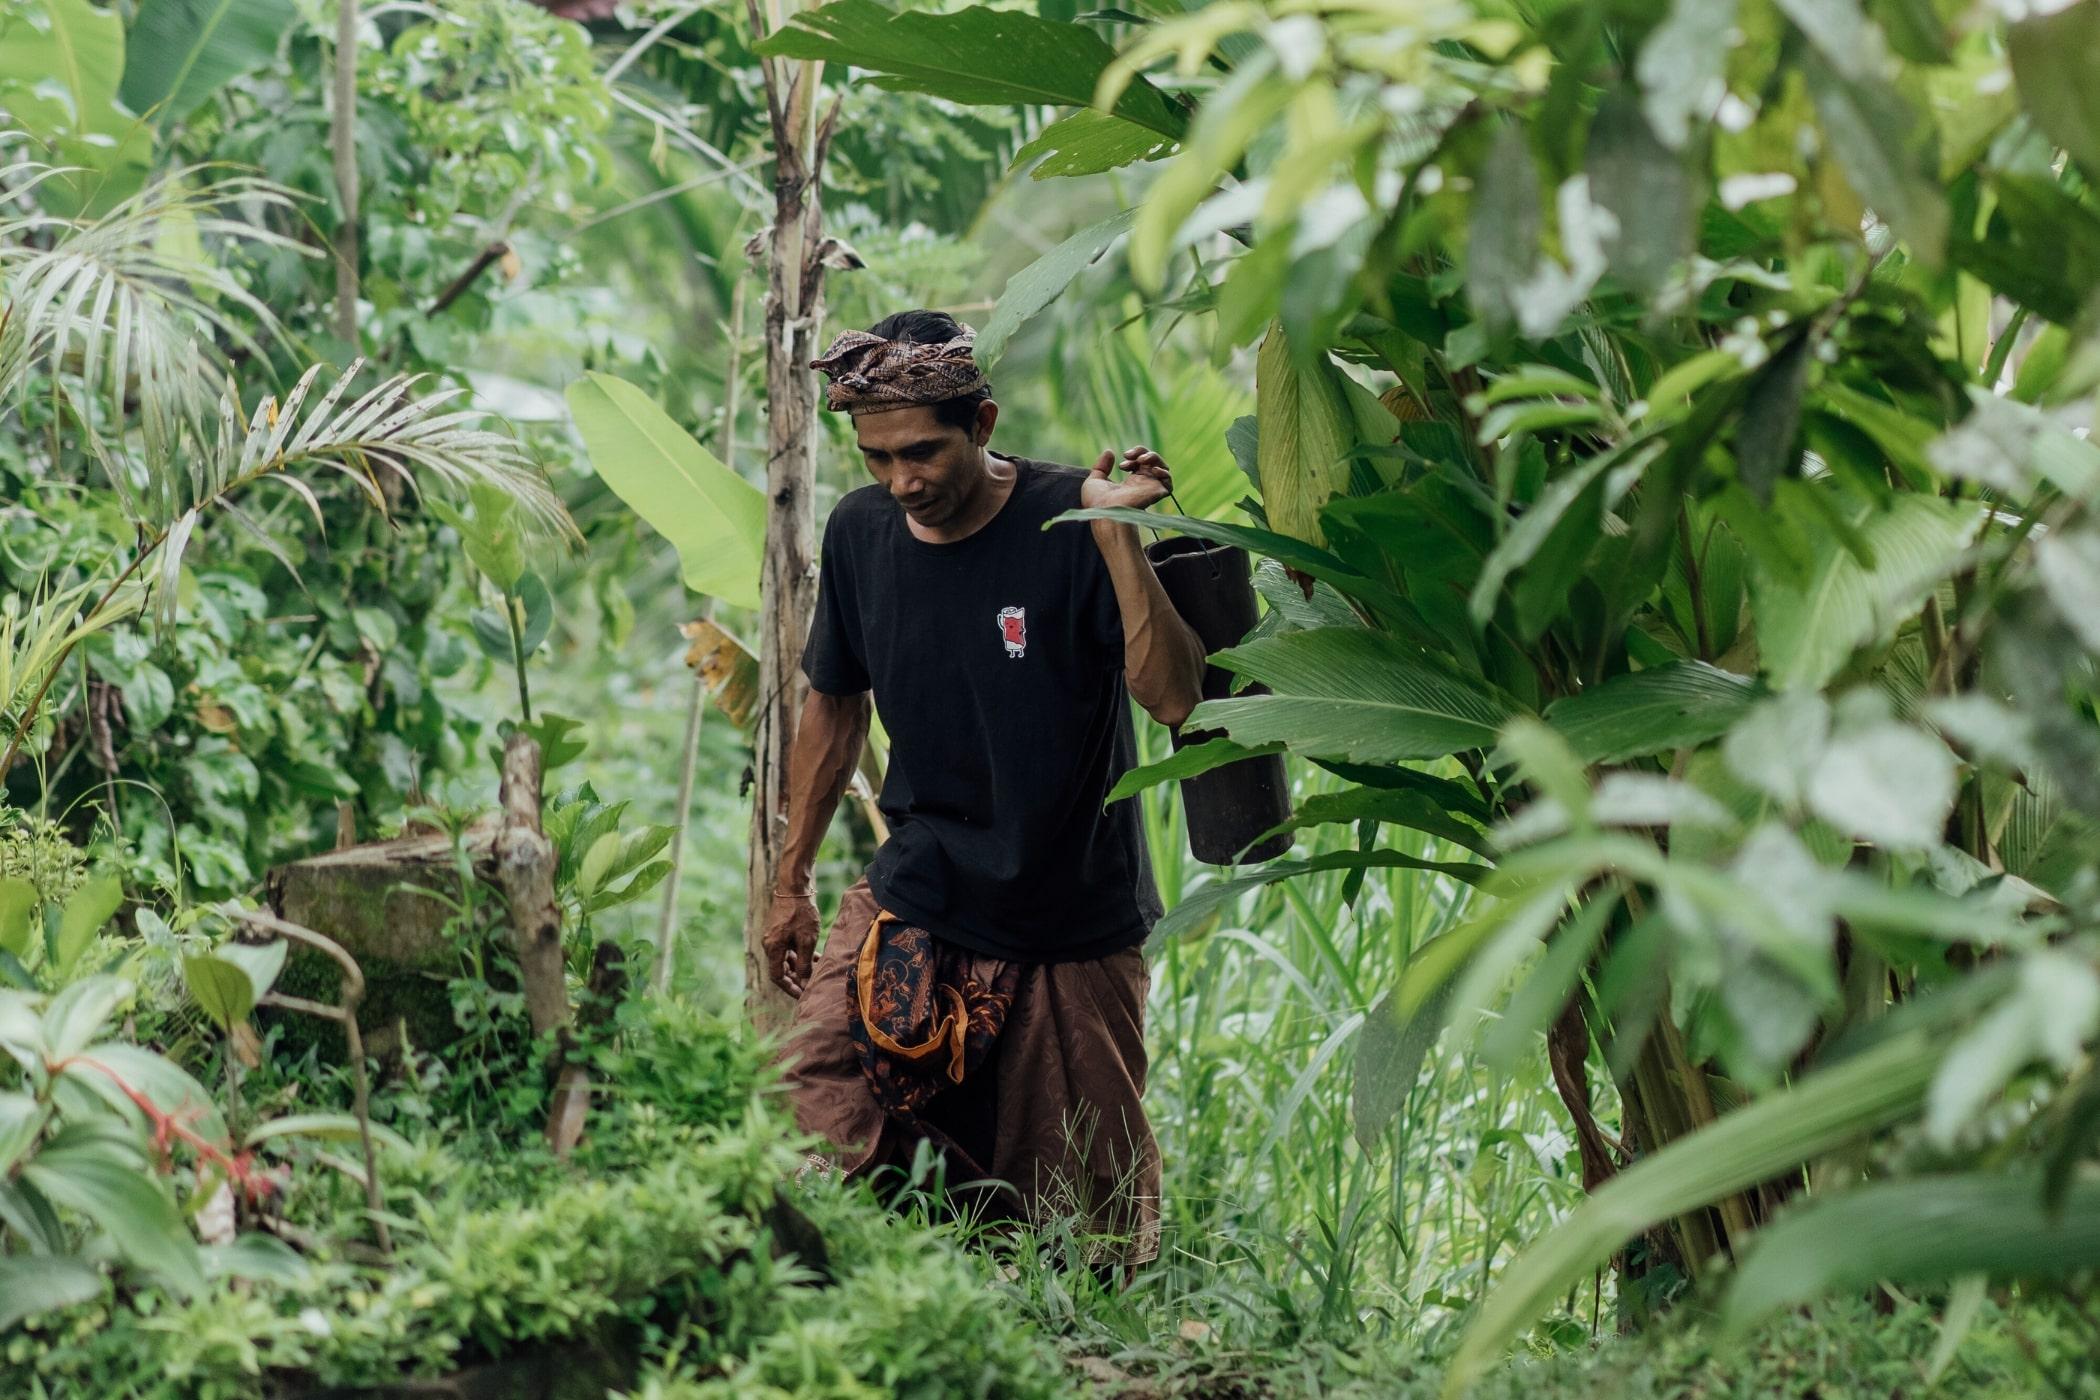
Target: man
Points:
(983, 987)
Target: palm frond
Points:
(384, 429)
(39, 628)
(125, 307)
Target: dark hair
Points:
(927, 327)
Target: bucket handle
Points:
(1210, 558)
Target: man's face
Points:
(928, 467)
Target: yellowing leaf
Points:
(1306, 427)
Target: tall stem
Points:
(696, 705)
(511, 608)
(342, 138)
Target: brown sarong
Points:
(1048, 1102)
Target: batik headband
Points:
(873, 375)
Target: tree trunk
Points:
(794, 316)
(525, 873)
(525, 862)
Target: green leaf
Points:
(714, 518)
(58, 80)
(535, 606)
(77, 1013)
(83, 916)
(1682, 64)
(1964, 1301)
(2052, 1011)
(1200, 903)
(645, 879)
(1532, 382)
(1405, 1022)
(491, 535)
(183, 51)
(558, 740)
(597, 863)
(261, 961)
(327, 1127)
(263, 1258)
(24, 1211)
(1540, 758)
(2042, 247)
(1307, 429)
(2064, 1157)
(1888, 150)
(1394, 806)
(1923, 1231)
(978, 56)
(111, 1067)
(1644, 184)
(1503, 240)
(221, 989)
(1234, 113)
(1185, 762)
(1306, 558)
(377, 627)
(44, 1283)
(21, 1025)
(1678, 705)
(1841, 32)
(1088, 142)
(18, 900)
(1540, 521)
(492, 634)
(1819, 1113)
(1349, 693)
(1767, 436)
(1885, 782)
(1043, 281)
(125, 1204)
(1533, 1007)
(22, 1119)
(2052, 61)
(228, 981)
(2068, 564)
(1809, 624)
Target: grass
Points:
(1295, 1261)
(1281, 1231)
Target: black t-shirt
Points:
(997, 666)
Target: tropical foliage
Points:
(1663, 429)
(1731, 543)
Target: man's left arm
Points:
(1163, 659)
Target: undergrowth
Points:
(664, 1240)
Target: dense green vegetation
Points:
(1664, 430)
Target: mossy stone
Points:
(389, 904)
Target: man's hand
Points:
(1148, 480)
(790, 941)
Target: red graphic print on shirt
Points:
(1013, 630)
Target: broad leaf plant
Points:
(1717, 593)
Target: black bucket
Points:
(1212, 587)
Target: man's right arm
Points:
(828, 741)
